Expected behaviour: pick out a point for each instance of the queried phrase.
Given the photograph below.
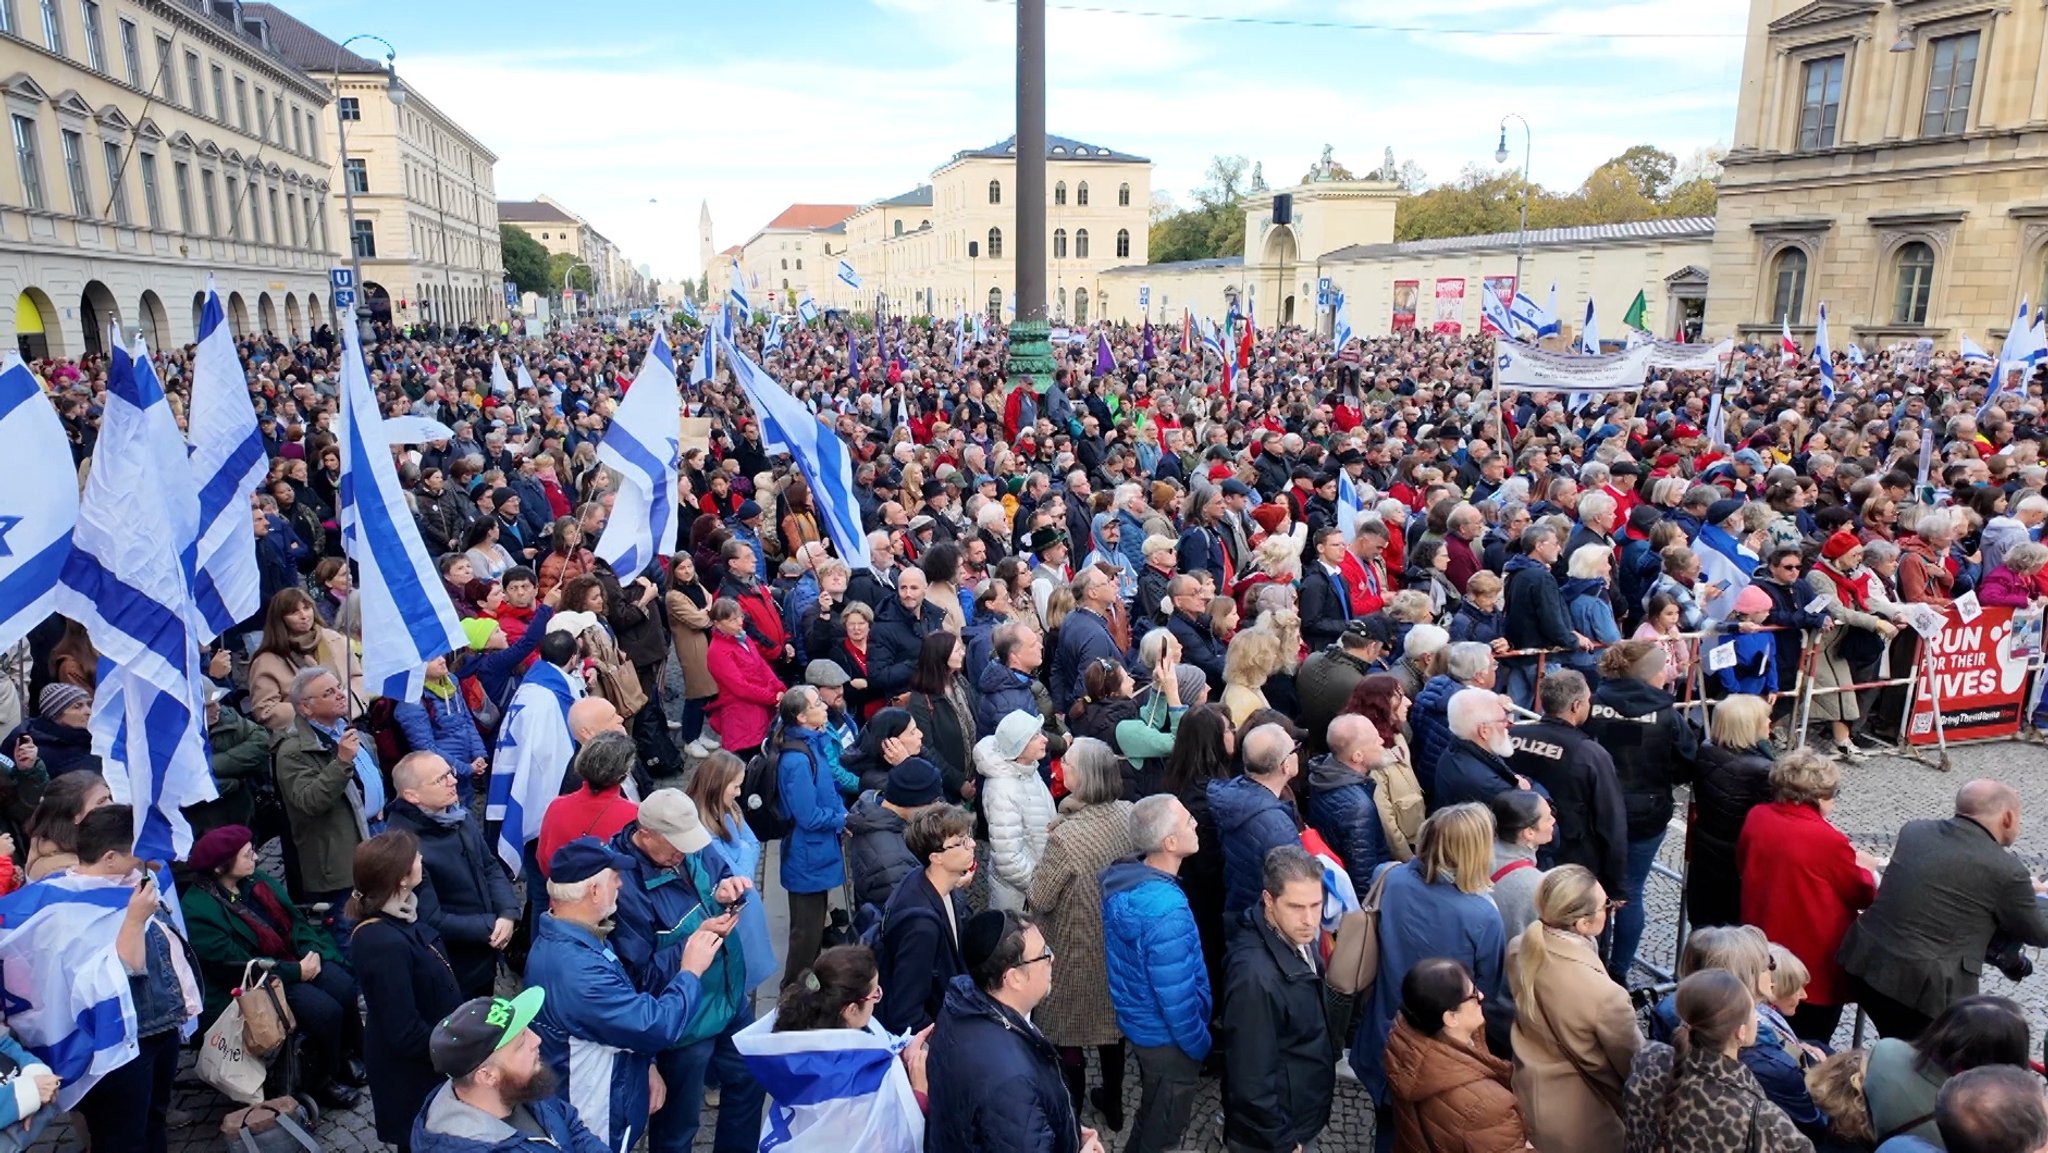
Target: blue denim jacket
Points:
(159, 1003)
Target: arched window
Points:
(2042, 297)
(1123, 242)
(1913, 283)
(995, 244)
(995, 192)
(1123, 196)
(1788, 285)
(995, 304)
(1059, 244)
(1059, 193)
(1081, 195)
(1061, 310)
(899, 229)
(1081, 244)
(1080, 306)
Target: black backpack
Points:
(761, 794)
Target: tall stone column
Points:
(1030, 355)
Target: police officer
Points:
(1585, 795)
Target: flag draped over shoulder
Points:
(407, 617)
(1723, 561)
(533, 752)
(831, 1090)
(644, 445)
(66, 994)
(35, 526)
(820, 456)
(229, 463)
(128, 579)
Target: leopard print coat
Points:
(1718, 1107)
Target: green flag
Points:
(1634, 319)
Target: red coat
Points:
(747, 690)
(1801, 885)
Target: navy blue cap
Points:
(582, 859)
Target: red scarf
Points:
(1853, 591)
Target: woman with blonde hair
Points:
(1276, 560)
(1734, 777)
(1575, 1031)
(1254, 655)
(1435, 905)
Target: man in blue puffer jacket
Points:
(1252, 816)
(1340, 805)
(1156, 979)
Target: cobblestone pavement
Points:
(1877, 798)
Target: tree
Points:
(1214, 226)
(1223, 182)
(526, 262)
(1651, 166)
(560, 263)
(1479, 201)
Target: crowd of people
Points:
(1132, 726)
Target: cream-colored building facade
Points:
(1342, 231)
(787, 256)
(426, 205)
(1891, 160)
(950, 246)
(152, 143)
(613, 280)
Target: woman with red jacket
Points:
(1803, 883)
(747, 688)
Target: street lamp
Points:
(572, 266)
(1500, 156)
(396, 92)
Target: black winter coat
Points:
(1731, 782)
(642, 631)
(894, 641)
(1279, 1071)
(1325, 606)
(876, 856)
(1467, 772)
(1322, 688)
(403, 970)
(995, 1081)
(1585, 796)
(463, 890)
(1654, 747)
(945, 741)
(1342, 810)
(1198, 647)
(1535, 608)
(919, 953)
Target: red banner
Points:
(1450, 306)
(1501, 288)
(1981, 684)
(1405, 292)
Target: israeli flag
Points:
(534, 749)
(847, 276)
(407, 617)
(773, 341)
(67, 995)
(1716, 423)
(700, 368)
(822, 458)
(229, 464)
(1350, 504)
(1539, 320)
(35, 519)
(642, 445)
(1973, 353)
(1589, 334)
(1822, 358)
(736, 299)
(806, 308)
(404, 430)
(1495, 312)
(831, 1090)
(1212, 340)
(959, 338)
(1723, 561)
(128, 579)
(1855, 354)
(1342, 330)
(689, 308)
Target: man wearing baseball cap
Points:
(599, 1033)
(500, 1094)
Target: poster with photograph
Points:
(1405, 292)
(1450, 306)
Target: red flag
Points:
(1244, 346)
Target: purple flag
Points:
(1145, 353)
(1104, 363)
(852, 353)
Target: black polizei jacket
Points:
(1585, 797)
(1654, 747)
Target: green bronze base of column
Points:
(1030, 354)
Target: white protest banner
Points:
(1519, 368)
(1689, 357)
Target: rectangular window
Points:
(194, 95)
(277, 118)
(298, 132)
(117, 195)
(95, 48)
(181, 187)
(27, 162)
(307, 207)
(1950, 77)
(234, 208)
(1820, 107)
(241, 104)
(152, 206)
(276, 224)
(73, 146)
(212, 208)
(166, 74)
(255, 212)
(262, 110)
(291, 213)
(53, 27)
(363, 239)
(220, 94)
(131, 52)
(348, 108)
(357, 173)
(7, 17)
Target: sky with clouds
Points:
(633, 112)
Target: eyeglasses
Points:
(874, 995)
(962, 843)
(1045, 956)
(1473, 998)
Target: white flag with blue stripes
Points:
(1350, 505)
(229, 463)
(831, 1090)
(643, 445)
(806, 308)
(128, 580)
(820, 455)
(1973, 353)
(847, 275)
(1824, 359)
(736, 296)
(689, 308)
(773, 341)
(1589, 333)
(35, 519)
(1341, 330)
(534, 749)
(1538, 319)
(67, 996)
(501, 385)
(407, 617)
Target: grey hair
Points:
(568, 892)
(1152, 821)
(1152, 646)
(303, 681)
(1424, 640)
(1880, 552)
(1586, 560)
(1561, 690)
(606, 759)
(1595, 503)
(1465, 660)
(1090, 772)
(1935, 525)
(1463, 711)
(2032, 502)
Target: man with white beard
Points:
(1475, 767)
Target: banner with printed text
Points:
(1519, 367)
(1405, 292)
(1980, 682)
(1450, 306)
(1501, 288)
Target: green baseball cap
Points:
(466, 1038)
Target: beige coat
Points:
(1576, 1006)
(1067, 899)
(1398, 796)
(689, 629)
(270, 679)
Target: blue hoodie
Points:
(1153, 956)
(1251, 822)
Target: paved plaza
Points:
(1876, 799)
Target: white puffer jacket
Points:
(1019, 809)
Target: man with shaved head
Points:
(1953, 900)
(1341, 805)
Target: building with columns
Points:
(1890, 159)
(426, 206)
(153, 143)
